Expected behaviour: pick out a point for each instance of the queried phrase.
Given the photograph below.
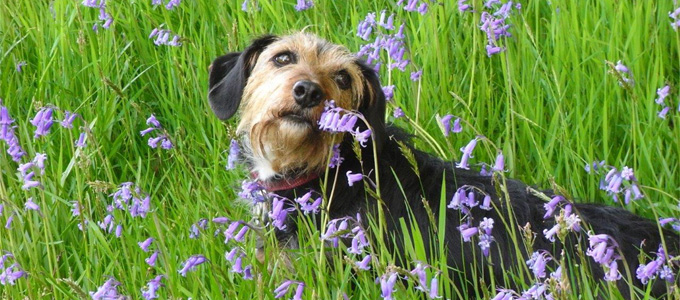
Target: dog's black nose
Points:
(307, 94)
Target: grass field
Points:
(552, 102)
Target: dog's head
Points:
(280, 86)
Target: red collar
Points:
(286, 183)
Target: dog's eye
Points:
(283, 59)
(343, 80)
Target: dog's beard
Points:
(289, 145)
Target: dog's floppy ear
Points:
(229, 75)
(373, 104)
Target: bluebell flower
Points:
(69, 117)
(150, 291)
(463, 6)
(397, 113)
(304, 5)
(387, 282)
(151, 260)
(537, 263)
(30, 205)
(388, 91)
(42, 121)
(415, 76)
(108, 290)
(353, 178)
(662, 93)
(172, 4)
(81, 141)
(20, 65)
(233, 155)
(336, 159)
(191, 263)
(467, 154)
(364, 264)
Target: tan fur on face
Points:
(283, 145)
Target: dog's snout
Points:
(307, 93)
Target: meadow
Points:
(565, 84)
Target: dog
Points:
(281, 85)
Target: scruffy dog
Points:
(280, 86)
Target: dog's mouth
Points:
(296, 117)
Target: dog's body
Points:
(279, 84)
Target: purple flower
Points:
(20, 65)
(662, 114)
(389, 92)
(306, 206)
(422, 9)
(491, 50)
(163, 38)
(304, 5)
(282, 289)
(42, 121)
(14, 149)
(662, 93)
(151, 289)
(145, 244)
(67, 122)
(278, 214)
(248, 272)
(551, 205)
(602, 248)
(612, 271)
(411, 5)
(463, 6)
(648, 271)
(397, 113)
(148, 130)
(191, 263)
(220, 220)
(389, 25)
(233, 155)
(151, 260)
(486, 203)
(81, 142)
(490, 3)
(415, 76)
(172, 4)
(467, 232)
(387, 282)
(538, 262)
(8, 224)
(467, 154)
(237, 267)
(364, 264)
(156, 2)
(229, 232)
(446, 122)
(353, 178)
(362, 136)
(30, 205)
(119, 230)
(504, 294)
(108, 290)
(336, 159)
(499, 165)
(624, 72)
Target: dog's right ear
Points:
(229, 75)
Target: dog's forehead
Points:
(311, 49)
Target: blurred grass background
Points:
(549, 103)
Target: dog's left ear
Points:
(229, 74)
(373, 104)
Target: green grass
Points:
(549, 103)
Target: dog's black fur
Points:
(632, 233)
